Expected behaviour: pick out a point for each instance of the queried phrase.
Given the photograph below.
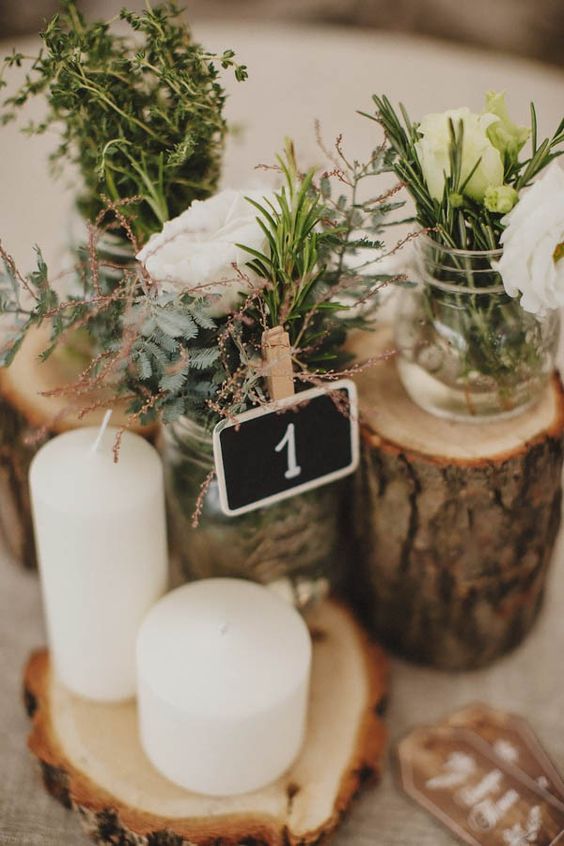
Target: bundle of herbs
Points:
(138, 106)
(191, 347)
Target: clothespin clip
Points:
(278, 361)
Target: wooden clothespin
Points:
(278, 360)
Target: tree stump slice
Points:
(28, 420)
(92, 761)
(455, 523)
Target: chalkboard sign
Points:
(291, 446)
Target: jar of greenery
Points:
(466, 349)
(108, 89)
(181, 339)
(477, 325)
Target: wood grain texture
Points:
(455, 523)
(92, 761)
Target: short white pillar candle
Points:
(101, 542)
(223, 679)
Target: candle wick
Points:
(103, 426)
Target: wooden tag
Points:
(511, 739)
(455, 775)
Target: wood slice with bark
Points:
(455, 522)
(28, 419)
(92, 760)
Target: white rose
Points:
(196, 252)
(532, 262)
(433, 152)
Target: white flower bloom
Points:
(532, 262)
(433, 152)
(196, 252)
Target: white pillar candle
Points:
(101, 542)
(223, 676)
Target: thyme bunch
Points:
(140, 113)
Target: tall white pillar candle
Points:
(101, 542)
(223, 678)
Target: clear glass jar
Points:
(292, 546)
(466, 350)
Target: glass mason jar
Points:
(466, 350)
(292, 546)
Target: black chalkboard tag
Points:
(288, 447)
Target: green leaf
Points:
(144, 366)
(203, 359)
(173, 382)
(176, 324)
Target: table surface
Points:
(296, 75)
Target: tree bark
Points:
(92, 761)
(455, 523)
(27, 420)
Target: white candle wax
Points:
(223, 676)
(101, 543)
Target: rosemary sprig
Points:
(310, 265)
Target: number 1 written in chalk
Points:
(289, 440)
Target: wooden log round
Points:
(28, 419)
(92, 761)
(455, 523)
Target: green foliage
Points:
(311, 263)
(297, 231)
(169, 357)
(488, 332)
(456, 220)
(291, 224)
(28, 301)
(141, 113)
